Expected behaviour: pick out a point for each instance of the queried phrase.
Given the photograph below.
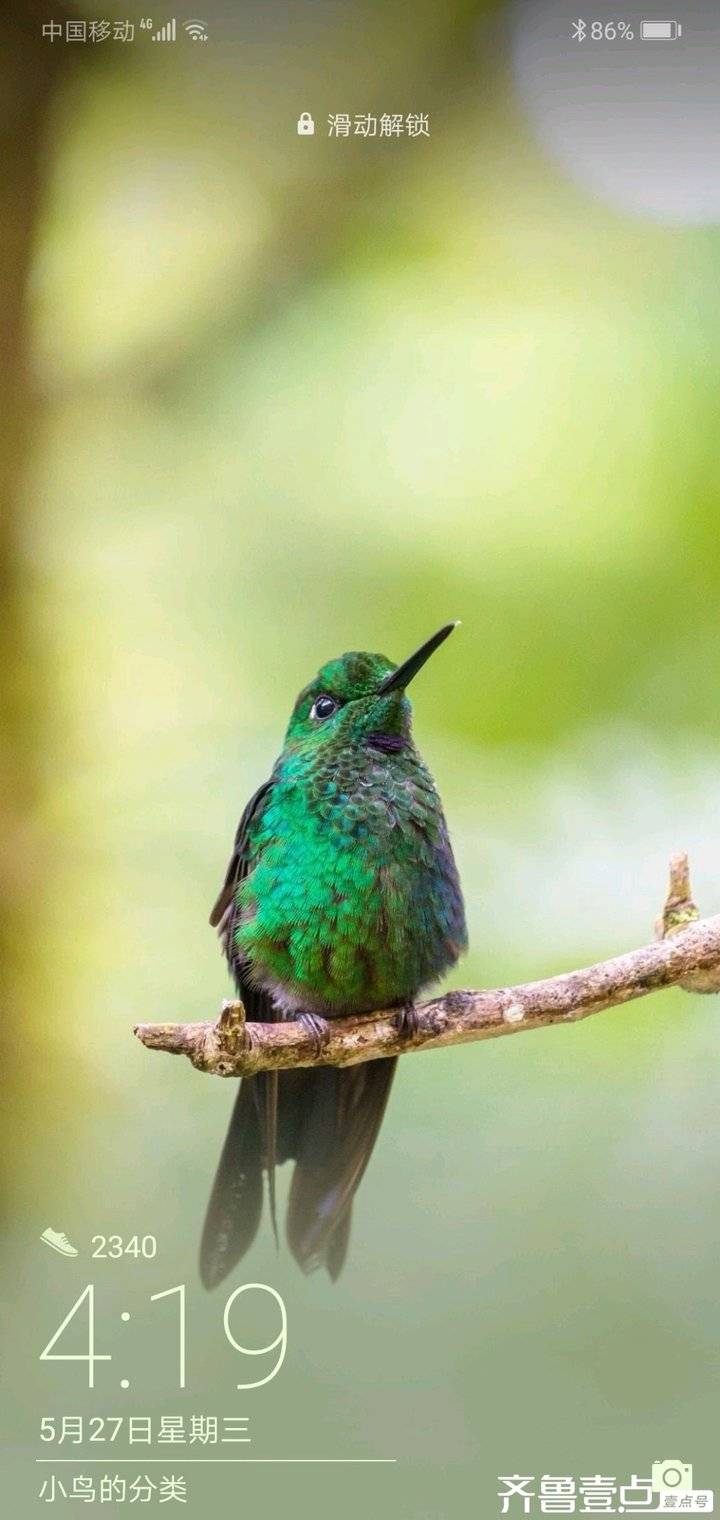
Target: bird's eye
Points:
(323, 706)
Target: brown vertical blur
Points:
(29, 70)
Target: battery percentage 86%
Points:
(602, 31)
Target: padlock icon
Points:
(306, 125)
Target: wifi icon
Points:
(197, 30)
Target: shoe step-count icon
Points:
(58, 1242)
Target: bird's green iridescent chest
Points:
(353, 900)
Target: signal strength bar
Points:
(167, 33)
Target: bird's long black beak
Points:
(405, 673)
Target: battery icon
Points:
(660, 31)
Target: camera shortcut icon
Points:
(671, 1477)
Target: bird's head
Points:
(360, 699)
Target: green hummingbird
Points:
(341, 897)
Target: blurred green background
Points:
(267, 399)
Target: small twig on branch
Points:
(686, 954)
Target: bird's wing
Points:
(240, 860)
(235, 1206)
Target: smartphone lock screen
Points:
(360, 758)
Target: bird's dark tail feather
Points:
(270, 1105)
(233, 1213)
(340, 1122)
(327, 1121)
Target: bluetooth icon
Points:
(578, 31)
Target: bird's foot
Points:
(317, 1028)
(407, 1021)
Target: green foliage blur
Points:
(299, 396)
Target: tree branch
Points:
(686, 954)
